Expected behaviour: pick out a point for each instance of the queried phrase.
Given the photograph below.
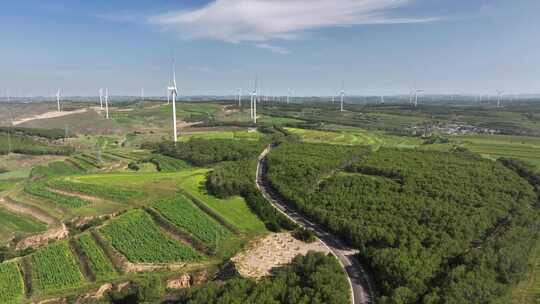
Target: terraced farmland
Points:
(12, 224)
(233, 210)
(114, 193)
(54, 268)
(495, 146)
(138, 238)
(181, 212)
(339, 135)
(167, 164)
(39, 189)
(98, 263)
(222, 134)
(11, 283)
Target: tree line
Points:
(435, 227)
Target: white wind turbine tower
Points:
(142, 93)
(239, 97)
(382, 99)
(174, 92)
(416, 92)
(342, 93)
(101, 99)
(254, 101)
(288, 96)
(499, 97)
(107, 103)
(58, 100)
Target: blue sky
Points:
(309, 46)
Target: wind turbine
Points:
(58, 100)
(254, 101)
(499, 97)
(142, 93)
(107, 103)
(239, 97)
(174, 91)
(416, 96)
(101, 99)
(382, 99)
(342, 93)
(288, 96)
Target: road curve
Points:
(361, 286)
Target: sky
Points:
(309, 47)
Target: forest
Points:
(434, 227)
(314, 278)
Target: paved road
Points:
(361, 286)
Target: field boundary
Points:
(175, 232)
(201, 205)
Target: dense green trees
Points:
(23, 144)
(434, 227)
(314, 278)
(201, 152)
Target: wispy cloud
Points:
(260, 21)
(272, 48)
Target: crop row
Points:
(113, 193)
(55, 169)
(11, 283)
(100, 266)
(183, 214)
(54, 268)
(39, 189)
(138, 238)
(167, 163)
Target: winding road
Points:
(361, 286)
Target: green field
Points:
(221, 134)
(234, 209)
(101, 267)
(495, 146)
(11, 283)
(350, 136)
(54, 268)
(182, 213)
(12, 224)
(138, 238)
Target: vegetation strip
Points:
(136, 236)
(184, 214)
(54, 269)
(11, 283)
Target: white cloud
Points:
(272, 48)
(260, 21)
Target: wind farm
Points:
(230, 151)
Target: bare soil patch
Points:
(52, 114)
(272, 251)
